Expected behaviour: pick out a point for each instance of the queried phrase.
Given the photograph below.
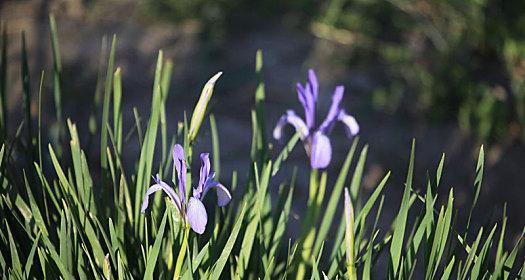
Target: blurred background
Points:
(450, 73)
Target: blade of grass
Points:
(481, 259)
(39, 140)
(57, 76)
(27, 96)
(164, 86)
(197, 261)
(334, 198)
(255, 219)
(260, 97)
(509, 262)
(281, 224)
(471, 256)
(358, 174)
(105, 110)
(148, 148)
(155, 250)
(477, 186)
(39, 221)
(498, 262)
(371, 200)
(285, 153)
(56, 258)
(440, 238)
(223, 258)
(315, 266)
(3, 83)
(401, 218)
(448, 269)
(31, 256)
(16, 266)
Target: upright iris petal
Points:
(308, 101)
(192, 210)
(204, 174)
(316, 141)
(335, 108)
(179, 160)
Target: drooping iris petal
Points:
(223, 195)
(321, 151)
(351, 125)
(160, 185)
(179, 160)
(145, 202)
(290, 118)
(197, 216)
(335, 108)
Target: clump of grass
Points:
(60, 220)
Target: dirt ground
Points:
(288, 53)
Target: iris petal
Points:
(223, 195)
(290, 118)
(335, 108)
(351, 125)
(308, 101)
(197, 216)
(312, 83)
(204, 173)
(160, 185)
(179, 160)
(321, 151)
(301, 96)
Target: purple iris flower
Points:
(192, 210)
(316, 141)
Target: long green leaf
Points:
(105, 106)
(155, 251)
(223, 258)
(334, 199)
(57, 74)
(285, 153)
(27, 95)
(401, 218)
(148, 148)
(3, 82)
(15, 259)
(477, 185)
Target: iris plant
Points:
(316, 141)
(192, 210)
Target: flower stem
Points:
(309, 226)
(182, 253)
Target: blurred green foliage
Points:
(448, 59)
(458, 60)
